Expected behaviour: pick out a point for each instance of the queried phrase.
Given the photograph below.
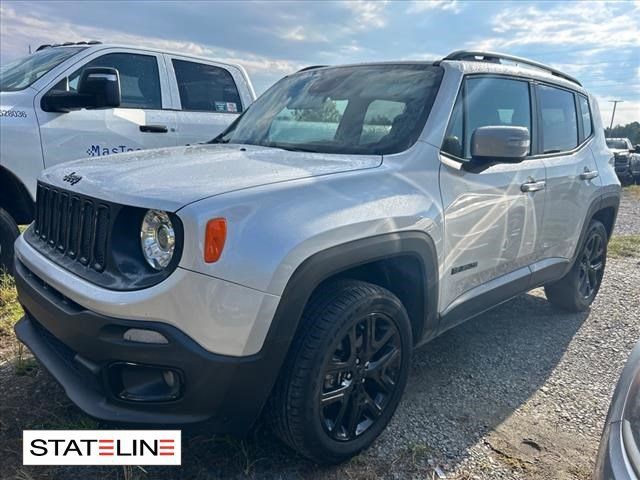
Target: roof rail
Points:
(493, 57)
(66, 44)
(311, 67)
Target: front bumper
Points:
(78, 346)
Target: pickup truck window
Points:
(364, 109)
(139, 78)
(206, 88)
(618, 144)
(21, 73)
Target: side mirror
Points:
(637, 149)
(98, 87)
(500, 144)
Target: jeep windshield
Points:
(617, 144)
(21, 73)
(364, 109)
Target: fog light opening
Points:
(142, 383)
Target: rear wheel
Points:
(577, 289)
(8, 234)
(345, 373)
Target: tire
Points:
(577, 289)
(8, 234)
(321, 362)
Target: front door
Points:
(491, 226)
(140, 122)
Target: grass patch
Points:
(10, 309)
(624, 246)
(633, 191)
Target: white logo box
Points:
(101, 447)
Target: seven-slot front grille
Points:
(74, 225)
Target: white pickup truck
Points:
(90, 99)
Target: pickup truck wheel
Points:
(8, 234)
(576, 291)
(345, 373)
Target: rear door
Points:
(491, 226)
(566, 129)
(142, 121)
(206, 97)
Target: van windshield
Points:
(363, 109)
(21, 73)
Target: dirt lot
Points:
(519, 392)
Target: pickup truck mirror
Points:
(503, 144)
(98, 87)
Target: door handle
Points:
(588, 174)
(533, 186)
(154, 128)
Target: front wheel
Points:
(345, 373)
(577, 289)
(8, 234)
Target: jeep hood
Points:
(170, 178)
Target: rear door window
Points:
(206, 88)
(559, 123)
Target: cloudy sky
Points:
(599, 42)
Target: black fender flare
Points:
(332, 261)
(15, 198)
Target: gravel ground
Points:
(628, 222)
(520, 392)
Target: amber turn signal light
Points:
(215, 236)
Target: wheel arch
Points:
(338, 262)
(15, 197)
(605, 210)
(404, 263)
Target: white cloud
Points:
(20, 30)
(418, 6)
(584, 24)
(368, 13)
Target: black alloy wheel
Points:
(360, 376)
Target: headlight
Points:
(157, 238)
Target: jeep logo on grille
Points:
(72, 178)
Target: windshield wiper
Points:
(291, 147)
(219, 139)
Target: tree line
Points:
(630, 131)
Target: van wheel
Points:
(577, 289)
(8, 234)
(345, 373)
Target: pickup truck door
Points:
(143, 120)
(208, 96)
(492, 211)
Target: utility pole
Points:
(613, 114)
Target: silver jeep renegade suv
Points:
(290, 266)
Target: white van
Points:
(89, 99)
